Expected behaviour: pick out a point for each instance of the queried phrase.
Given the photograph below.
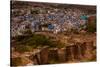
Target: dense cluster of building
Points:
(47, 18)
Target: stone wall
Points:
(77, 52)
